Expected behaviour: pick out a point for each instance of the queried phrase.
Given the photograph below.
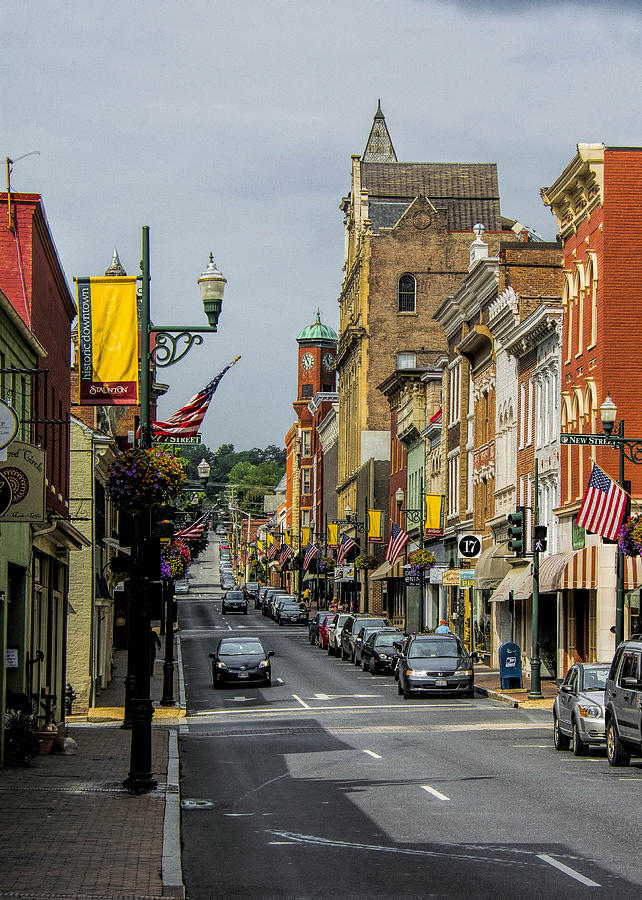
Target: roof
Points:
(318, 331)
(469, 192)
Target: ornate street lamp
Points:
(417, 516)
(204, 469)
(171, 344)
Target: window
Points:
(306, 480)
(306, 390)
(407, 293)
(305, 518)
(306, 443)
(453, 485)
(454, 391)
(406, 360)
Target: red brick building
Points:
(597, 202)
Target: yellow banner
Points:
(375, 526)
(107, 342)
(287, 538)
(333, 536)
(305, 536)
(270, 540)
(259, 545)
(435, 507)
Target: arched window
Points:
(591, 293)
(407, 293)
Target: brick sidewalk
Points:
(488, 681)
(69, 829)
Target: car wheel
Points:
(373, 666)
(616, 753)
(364, 664)
(579, 747)
(245, 611)
(330, 650)
(407, 693)
(561, 741)
(399, 687)
(311, 640)
(344, 655)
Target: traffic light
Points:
(539, 538)
(516, 533)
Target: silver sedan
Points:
(578, 711)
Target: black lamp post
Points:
(631, 450)
(418, 516)
(166, 352)
(359, 528)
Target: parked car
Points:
(251, 589)
(378, 653)
(351, 628)
(578, 711)
(181, 586)
(435, 663)
(241, 660)
(266, 608)
(322, 636)
(234, 601)
(623, 699)
(315, 624)
(364, 633)
(260, 594)
(228, 583)
(290, 610)
(334, 632)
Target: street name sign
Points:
(583, 439)
(176, 439)
(469, 546)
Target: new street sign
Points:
(583, 439)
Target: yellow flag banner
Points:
(305, 536)
(259, 545)
(287, 538)
(435, 510)
(270, 540)
(333, 536)
(107, 342)
(375, 526)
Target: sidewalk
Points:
(68, 828)
(487, 683)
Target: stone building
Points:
(407, 233)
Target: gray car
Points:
(578, 711)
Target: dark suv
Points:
(622, 698)
(351, 629)
(435, 664)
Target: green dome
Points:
(318, 331)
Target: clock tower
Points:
(317, 353)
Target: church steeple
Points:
(379, 145)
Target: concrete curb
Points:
(181, 678)
(172, 869)
(495, 695)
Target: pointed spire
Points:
(115, 269)
(379, 145)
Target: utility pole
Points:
(535, 692)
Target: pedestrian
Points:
(443, 628)
(154, 643)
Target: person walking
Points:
(443, 628)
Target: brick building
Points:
(597, 203)
(33, 281)
(407, 233)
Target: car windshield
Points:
(440, 647)
(595, 679)
(385, 640)
(342, 618)
(234, 595)
(241, 648)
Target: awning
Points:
(519, 580)
(632, 572)
(580, 571)
(383, 571)
(491, 566)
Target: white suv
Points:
(334, 633)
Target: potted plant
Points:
(366, 561)
(630, 537)
(175, 559)
(140, 479)
(20, 737)
(421, 560)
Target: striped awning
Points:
(518, 581)
(632, 572)
(580, 572)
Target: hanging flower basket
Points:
(326, 564)
(421, 561)
(175, 559)
(366, 561)
(139, 479)
(630, 536)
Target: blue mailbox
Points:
(510, 665)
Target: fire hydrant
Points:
(70, 696)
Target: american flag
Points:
(396, 542)
(345, 546)
(603, 506)
(188, 419)
(285, 554)
(310, 552)
(271, 551)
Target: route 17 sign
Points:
(469, 546)
(8, 424)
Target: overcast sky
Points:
(228, 126)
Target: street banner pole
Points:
(535, 692)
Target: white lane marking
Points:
(302, 702)
(420, 707)
(342, 696)
(627, 779)
(237, 815)
(533, 746)
(567, 870)
(437, 794)
(373, 754)
(239, 699)
(279, 843)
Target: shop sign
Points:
(8, 424)
(451, 578)
(467, 578)
(436, 574)
(24, 470)
(411, 578)
(344, 573)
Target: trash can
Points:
(510, 665)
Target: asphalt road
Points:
(329, 784)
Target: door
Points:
(567, 699)
(628, 699)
